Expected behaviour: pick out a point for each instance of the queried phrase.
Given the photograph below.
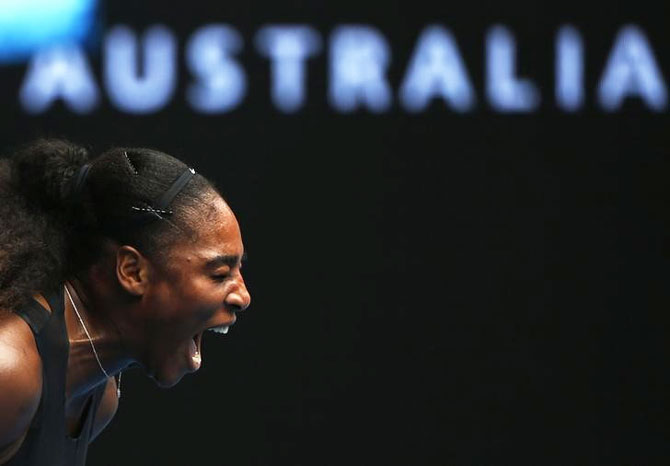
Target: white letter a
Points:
(60, 72)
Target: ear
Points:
(132, 270)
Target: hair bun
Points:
(42, 169)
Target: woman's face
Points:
(201, 288)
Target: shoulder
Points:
(20, 380)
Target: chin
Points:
(168, 378)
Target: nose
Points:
(239, 298)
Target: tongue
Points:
(196, 359)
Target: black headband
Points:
(165, 200)
(161, 203)
(146, 214)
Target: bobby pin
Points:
(132, 167)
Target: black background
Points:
(431, 289)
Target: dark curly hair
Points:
(47, 234)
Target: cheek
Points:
(191, 303)
(206, 303)
(211, 293)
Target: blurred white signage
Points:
(140, 71)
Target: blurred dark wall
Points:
(428, 289)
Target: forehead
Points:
(218, 233)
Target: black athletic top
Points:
(47, 442)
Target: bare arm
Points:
(20, 385)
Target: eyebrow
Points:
(225, 259)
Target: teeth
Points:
(220, 329)
(197, 359)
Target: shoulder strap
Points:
(35, 315)
(56, 299)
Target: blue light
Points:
(59, 72)
(359, 57)
(632, 71)
(29, 25)
(569, 69)
(221, 83)
(288, 47)
(437, 70)
(151, 90)
(507, 92)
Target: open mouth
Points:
(195, 347)
(223, 329)
(195, 352)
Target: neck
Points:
(84, 371)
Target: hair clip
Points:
(132, 167)
(151, 209)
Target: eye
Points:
(222, 275)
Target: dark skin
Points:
(137, 313)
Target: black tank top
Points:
(47, 442)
